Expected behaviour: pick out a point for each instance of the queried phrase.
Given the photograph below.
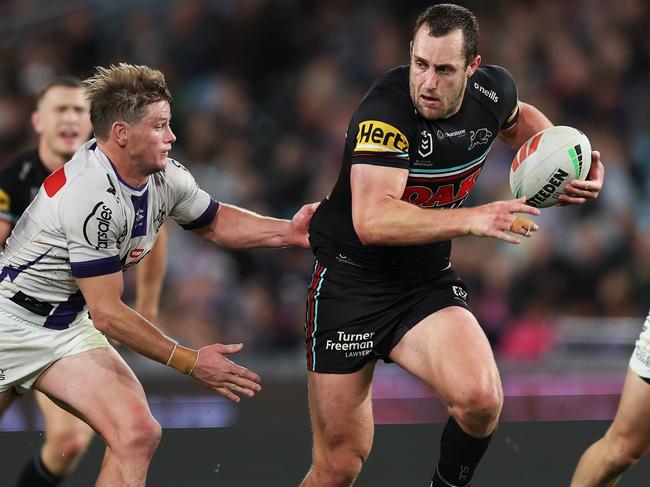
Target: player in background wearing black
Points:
(383, 286)
(62, 123)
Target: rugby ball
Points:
(547, 162)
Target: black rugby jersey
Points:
(20, 181)
(444, 158)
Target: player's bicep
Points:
(371, 186)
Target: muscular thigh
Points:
(449, 351)
(354, 317)
(97, 386)
(341, 410)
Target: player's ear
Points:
(120, 133)
(36, 122)
(473, 65)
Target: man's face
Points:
(438, 73)
(62, 121)
(151, 139)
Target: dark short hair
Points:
(122, 93)
(446, 17)
(66, 81)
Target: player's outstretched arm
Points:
(238, 228)
(208, 365)
(380, 217)
(214, 370)
(500, 217)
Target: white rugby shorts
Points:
(640, 360)
(26, 350)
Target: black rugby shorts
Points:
(353, 316)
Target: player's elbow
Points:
(101, 318)
(366, 232)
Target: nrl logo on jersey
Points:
(426, 143)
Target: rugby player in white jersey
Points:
(93, 218)
(62, 122)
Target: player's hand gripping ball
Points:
(547, 162)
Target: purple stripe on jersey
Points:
(12, 272)
(66, 312)
(140, 210)
(124, 182)
(205, 219)
(98, 267)
(93, 147)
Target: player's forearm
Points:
(129, 328)
(238, 228)
(396, 222)
(530, 121)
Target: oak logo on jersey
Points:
(97, 226)
(445, 195)
(376, 136)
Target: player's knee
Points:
(142, 436)
(341, 459)
(480, 404)
(340, 468)
(623, 453)
(68, 444)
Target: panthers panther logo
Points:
(479, 137)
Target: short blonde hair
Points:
(122, 93)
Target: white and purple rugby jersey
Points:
(85, 222)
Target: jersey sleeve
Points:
(192, 207)
(380, 130)
(94, 228)
(504, 84)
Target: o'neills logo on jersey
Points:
(353, 344)
(97, 225)
(491, 94)
(549, 188)
(376, 136)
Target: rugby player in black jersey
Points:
(383, 286)
(62, 123)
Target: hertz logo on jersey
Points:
(5, 201)
(379, 137)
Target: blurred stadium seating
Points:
(263, 93)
